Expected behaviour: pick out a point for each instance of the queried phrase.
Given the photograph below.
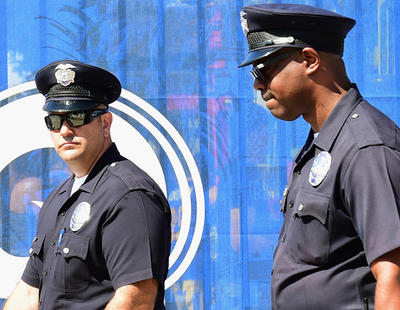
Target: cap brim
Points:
(253, 56)
(69, 105)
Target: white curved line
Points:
(14, 267)
(199, 193)
(179, 172)
(200, 215)
(17, 89)
(37, 203)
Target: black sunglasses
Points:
(74, 119)
(256, 71)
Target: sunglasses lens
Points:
(256, 71)
(53, 121)
(76, 119)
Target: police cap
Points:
(271, 27)
(70, 85)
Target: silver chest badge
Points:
(80, 216)
(64, 75)
(320, 168)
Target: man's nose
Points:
(259, 85)
(65, 129)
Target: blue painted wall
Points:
(181, 56)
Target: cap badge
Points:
(283, 40)
(243, 22)
(320, 168)
(80, 216)
(64, 75)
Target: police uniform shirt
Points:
(125, 239)
(341, 210)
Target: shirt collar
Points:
(110, 156)
(337, 118)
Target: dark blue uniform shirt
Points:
(125, 239)
(341, 211)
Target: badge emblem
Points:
(80, 216)
(64, 75)
(320, 168)
(243, 22)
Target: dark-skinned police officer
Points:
(339, 247)
(103, 237)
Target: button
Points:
(30, 251)
(354, 116)
(285, 192)
(62, 213)
(113, 164)
(35, 239)
(298, 172)
(283, 239)
(45, 273)
(291, 204)
(301, 207)
(65, 250)
(53, 243)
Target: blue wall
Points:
(181, 56)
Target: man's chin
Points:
(69, 155)
(285, 117)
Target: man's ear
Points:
(312, 59)
(106, 120)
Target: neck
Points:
(81, 167)
(325, 100)
(329, 84)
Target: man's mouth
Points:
(68, 143)
(267, 96)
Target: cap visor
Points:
(69, 105)
(258, 54)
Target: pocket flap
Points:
(74, 246)
(313, 204)
(37, 245)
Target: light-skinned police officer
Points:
(103, 237)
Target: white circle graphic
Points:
(175, 148)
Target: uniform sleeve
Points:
(136, 239)
(371, 190)
(30, 274)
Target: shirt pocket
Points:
(308, 233)
(71, 272)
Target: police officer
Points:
(103, 237)
(339, 247)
